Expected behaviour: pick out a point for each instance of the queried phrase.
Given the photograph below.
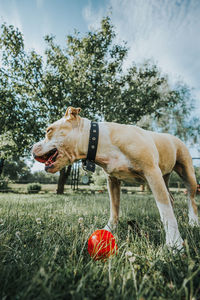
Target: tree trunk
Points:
(1, 165)
(62, 179)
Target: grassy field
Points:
(43, 250)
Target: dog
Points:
(125, 152)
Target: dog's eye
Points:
(49, 130)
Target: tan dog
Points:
(125, 152)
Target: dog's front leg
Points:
(157, 185)
(114, 194)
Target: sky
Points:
(166, 31)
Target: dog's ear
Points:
(71, 112)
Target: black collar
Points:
(89, 162)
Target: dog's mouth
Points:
(48, 158)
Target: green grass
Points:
(43, 250)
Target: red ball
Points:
(101, 244)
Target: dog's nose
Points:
(33, 151)
(36, 148)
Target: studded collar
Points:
(89, 162)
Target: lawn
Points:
(43, 250)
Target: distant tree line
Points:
(20, 172)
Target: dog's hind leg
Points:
(166, 180)
(114, 194)
(186, 172)
(160, 192)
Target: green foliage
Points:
(197, 173)
(43, 177)
(4, 185)
(17, 170)
(34, 188)
(7, 145)
(146, 91)
(88, 73)
(20, 93)
(99, 178)
(43, 251)
(176, 181)
(178, 120)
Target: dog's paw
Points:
(107, 227)
(176, 245)
(194, 222)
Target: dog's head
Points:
(58, 149)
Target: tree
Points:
(179, 121)
(83, 74)
(87, 72)
(20, 77)
(17, 170)
(146, 91)
(43, 177)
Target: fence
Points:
(79, 183)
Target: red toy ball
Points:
(101, 244)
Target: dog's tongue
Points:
(51, 159)
(40, 159)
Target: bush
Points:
(3, 185)
(34, 188)
(43, 177)
(99, 178)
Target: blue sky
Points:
(36, 18)
(166, 31)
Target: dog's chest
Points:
(119, 166)
(110, 156)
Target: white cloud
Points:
(93, 17)
(11, 17)
(167, 31)
(37, 167)
(39, 3)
